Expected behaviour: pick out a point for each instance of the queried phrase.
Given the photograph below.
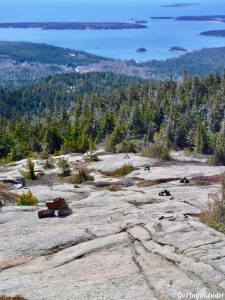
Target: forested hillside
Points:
(197, 63)
(22, 63)
(46, 54)
(73, 112)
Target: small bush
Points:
(64, 167)
(27, 199)
(49, 164)
(126, 147)
(81, 177)
(29, 172)
(114, 188)
(93, 158)
(218, 158)
(157, 151)
(122, 171)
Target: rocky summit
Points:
(121, 239)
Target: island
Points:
(141, 22)
(214, 18)
(178, 49)
(141, 50)
(162, 18)
(178, 5)
(216, 33)
(74, 25)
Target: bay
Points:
(158, 38)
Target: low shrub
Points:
(82, 176)
(49, 164)
(126, 147)
(122, 171)
(29, 172)
(27, 199)
(114, 188)
(64, 167)
(93, 158)
(157, 151)
(206, 180)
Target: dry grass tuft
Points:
(12, 298)
(81, 177)
(122, 171)
(149, 183)
(206, 180)
(4, 186)
(8, 198)
(214, 216)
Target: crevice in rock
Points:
(61, 247)
(188, 203)
(202, 245)
(218, 257)
(134, 258)
(190, 274)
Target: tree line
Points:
(73, 113)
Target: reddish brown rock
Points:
(59, 202)
(50, 205)
(46, 213)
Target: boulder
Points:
(64, 211)
(184, 180)
(165, 193)
(59, 202)
(147, 168)
(50, 205)
(46, 213)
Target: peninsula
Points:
(74, 25)
(216, 33)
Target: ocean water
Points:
(158, 38)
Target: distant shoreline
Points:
(73, 25)
(209, 18)
(178, 5)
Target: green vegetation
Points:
(64, 167)
(29, 172)
(219, 150)
(92, 158)
(49, 164)
(161, 146)
(126, 147)
(46, 54)
(214, 216)
(114, 188)
(82, 176)
(73, 112)
(197, 63)
(27, 200)
(24, 62)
